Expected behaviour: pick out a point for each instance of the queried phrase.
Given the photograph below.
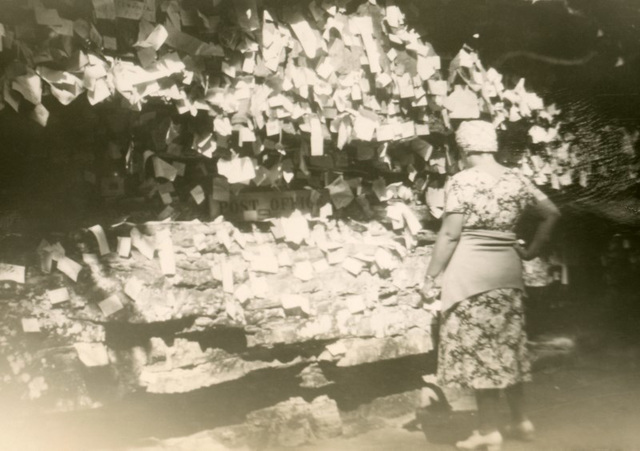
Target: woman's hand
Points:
(429, 289)
(523, 252)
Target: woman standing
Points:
(482, 338)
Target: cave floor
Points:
(589, 404)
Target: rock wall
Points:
(209, 304)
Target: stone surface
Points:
(203, 441)
(383, 411)
(186, 367)
(359, 351)
(325, 418)
(312, 376)
(294, 423)
(227, 290)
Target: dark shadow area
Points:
(355, 386)
(124, 336)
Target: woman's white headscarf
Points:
(477, 136)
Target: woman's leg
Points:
(488, 404)
(520, 428)
(488, 436)
(515, 398)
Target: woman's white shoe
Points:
(524, 431)
(491, 441)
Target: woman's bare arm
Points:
(446, 243)
(550, 216)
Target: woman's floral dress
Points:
(482, 339)
(536, 272)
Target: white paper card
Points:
(243, 293)
(143, 243)
(356, 304)
(13, 273)
(165, 252)
(136, 290)
(364, 128)
(198, 194)
(305, 35)
(353, 265)
(58, 296)
(295, 228)
(259, 286)
(70, 268)
(92, 354)
(163, 169)
(110, 305)
(266, 262)
(238, 170)
(317, 140)
(103, 244)
(337, 256)
(293, 301)
(227, 276)
(320, 265)
(384, 259)
(30, 325)
(337, 349)
(200, 241)
(124, 246)
(303, 270)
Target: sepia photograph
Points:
(319, 225)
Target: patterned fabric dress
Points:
(482, 338)
(536, 272)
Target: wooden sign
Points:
(259, 206)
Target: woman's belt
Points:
(483, 260)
